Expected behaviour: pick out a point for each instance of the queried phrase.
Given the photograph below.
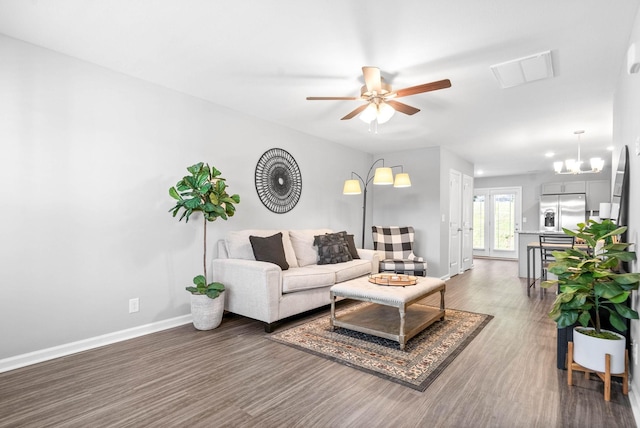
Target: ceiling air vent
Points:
(524, 70)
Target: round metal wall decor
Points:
(278, 180)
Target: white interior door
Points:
(497, 214)
(467, 222)
(455, 222)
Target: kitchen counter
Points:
(525, 238)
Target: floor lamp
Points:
(382, 176)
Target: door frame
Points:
(455, 223)
(489, 250)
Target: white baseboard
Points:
(634, 400)
(23, 360)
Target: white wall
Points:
(423, 204)
(531, 189)
(626, 131)
(87, 158)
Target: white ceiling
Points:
(263, 57)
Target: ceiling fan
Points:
(380, 99)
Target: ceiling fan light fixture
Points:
(369, 114)
(385, 112)
(381, 99)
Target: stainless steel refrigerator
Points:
(558, 211)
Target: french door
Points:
(496, 222)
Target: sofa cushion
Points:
(349, 270)
(302, 242)
(239, 246)
(269, 249)
(304, 278)
(332, 248)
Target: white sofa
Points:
(265, 292)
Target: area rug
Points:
(424, 358)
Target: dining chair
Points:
(548, 244)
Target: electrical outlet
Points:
(524, 219)
(134, 305)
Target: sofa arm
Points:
(370, 255)
(253, 288)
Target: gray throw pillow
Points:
(269, 249)
(352, 247)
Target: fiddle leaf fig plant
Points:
(204, 191)
(590, 280)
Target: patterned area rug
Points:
(424, 358)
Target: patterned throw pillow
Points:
(332, 248)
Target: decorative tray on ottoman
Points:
(394, 279)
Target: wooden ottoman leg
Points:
(401, 333)
(333, 311)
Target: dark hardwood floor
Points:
(235, 377)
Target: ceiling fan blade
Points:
(355, 112)
(372, 79)
(402, 108)
(426, 87)
(331, 98)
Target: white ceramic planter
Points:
(590, 351)
(206, 312)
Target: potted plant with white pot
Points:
(592, 286)
(204, 191)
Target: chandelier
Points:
(574, 166)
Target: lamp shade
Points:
(369, 113)
(385, 112)
(402, 180)
(558, 166)
(597, 164)
(383, 176)
(605, 210)
(351, 187)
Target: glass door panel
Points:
(479, 219)
(504, 221)
(496, 219)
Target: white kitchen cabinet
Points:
(597, 191)
(557, 188)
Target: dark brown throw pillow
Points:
(332, 248)
(352, 247)
(269, 249)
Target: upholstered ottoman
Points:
(395, 314)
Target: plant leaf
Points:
(567, 319)
(213, 294)
(200, 281)
(215, 286)
(617, 322)
(626, 311)
(174, 193)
